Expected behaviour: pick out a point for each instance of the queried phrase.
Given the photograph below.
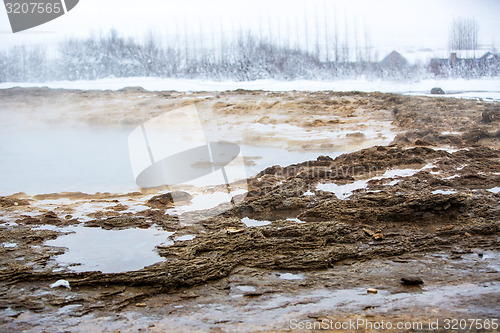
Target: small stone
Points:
(253, 294)
(324, 158)
(168, 199)
(371, 291)
(412, 281)
(437, 91)
(490, 116)
(368, 231)
(50, 215)
(378, 235)
(420, 142)
(445, 228)
(232, 230)
(466, 234)
(140, 305)
(480, 255)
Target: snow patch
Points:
(487, 88)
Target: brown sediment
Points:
(447, 206)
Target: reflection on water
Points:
(57, 160)
(109, 251)
(87, 160)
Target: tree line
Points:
(317, 53)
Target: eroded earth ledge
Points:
(424, 206)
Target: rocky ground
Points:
(424, 207)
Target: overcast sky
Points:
(389, 24)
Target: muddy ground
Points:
(320, 251)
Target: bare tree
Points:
(345, 44)
(336, 38)
(325, 25)
(306, 30)
(368, 57)
(463, 34)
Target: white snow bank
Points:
(470, 88)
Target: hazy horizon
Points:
(381, 25)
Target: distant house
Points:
(439, 66)
(394, 60)
(490, 58)
(488, 63)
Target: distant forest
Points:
(247, 57)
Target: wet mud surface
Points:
(418, 200)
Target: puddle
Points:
(276, 312)
(491, 258)
(205, 201)
(295, 219)
(246, 289)
(254, 223)
(265, 157)
(444, 192)
(9, 245)
(109, 251)
(136, 209)
(290, 276)
(185, 238)
(345, 191)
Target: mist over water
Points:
(50, 160)
(54, 160)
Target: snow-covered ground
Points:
(488, 88)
